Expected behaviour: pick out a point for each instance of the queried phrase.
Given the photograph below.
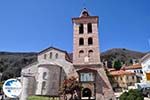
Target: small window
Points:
(141, 71)
(56, 56)
(89, 25)
(90, 53)
(134, 71)
(81, 52)
(127, 77)
(50, 55)
(86, 77)
(148, 66)
(44, 75)
(43, 85)
(120, 78)
(45, 56)
(81, 29)
(81, 41)
(90, 41)
(133, 77)
(116, 78)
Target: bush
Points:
(117, 65)
(132, 95)
(41, 98)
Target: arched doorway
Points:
(86, 92)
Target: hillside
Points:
(124, 55)
(12, 63)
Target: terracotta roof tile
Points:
(135, 66)
(121, 72)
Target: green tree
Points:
(117, 65)
(132, 94)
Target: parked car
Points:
(145, 91)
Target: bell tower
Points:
(85, 39)
(86, 59)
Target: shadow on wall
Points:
(100, 84)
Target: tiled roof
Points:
(121, 72)
(49, 48)
(134, 66)
(111, 69)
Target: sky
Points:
(33, 25)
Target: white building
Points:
(135, 68)
(145, 62)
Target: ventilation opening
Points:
(81, 29)
(81, 41)
(89, 25)
(90, 41)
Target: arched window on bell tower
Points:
(89, 27)
(81, 41)
(81, 29)
(81, 52)
(90, 53)
(90, 41)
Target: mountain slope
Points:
(12, 63)
(124, 55)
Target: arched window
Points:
(44, 75)
(81, 29)
(86, 92)
(90, 41)
(81, 41)
(81, 52)
(50, 55)
(45, 56)
(85, 14)
(89, 27)
(43, 85)
(56, 55)
(90, 53)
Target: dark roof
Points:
(50, 48)
(88, 66)
(86, 70)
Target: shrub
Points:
(132, 94)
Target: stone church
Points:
(53, 65)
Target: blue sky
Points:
(32, 25)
